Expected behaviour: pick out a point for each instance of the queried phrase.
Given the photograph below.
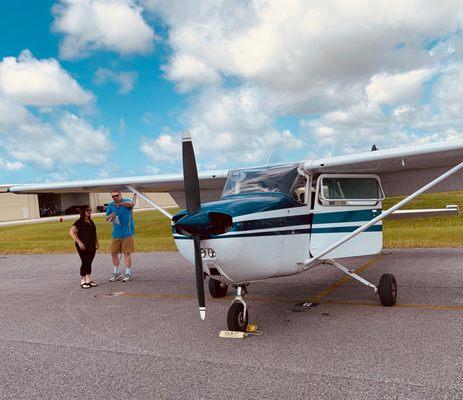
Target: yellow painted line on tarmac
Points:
(397, 305)
(269, 299)
(315, 299)
(430, 307)
(318, 298)
(158, 296)
(227, 299)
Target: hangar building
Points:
(31, 206)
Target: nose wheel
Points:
(238, 315)
(237, 319)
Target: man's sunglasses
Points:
(115, 195)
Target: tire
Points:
(217, 289)
(387, 290)
(235, 319)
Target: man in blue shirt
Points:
(120, 213)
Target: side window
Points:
(350, 191)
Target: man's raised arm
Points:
(130, 204)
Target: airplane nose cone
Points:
(204, 223)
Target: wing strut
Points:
(309, 261)
(149, 201)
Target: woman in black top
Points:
(83, 231)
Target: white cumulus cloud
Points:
(190, 72)
(294, 47)
(29, 81)
(227, 126)
(448, 92)
(67, 140)
(125, 80)
(113, 25)
(163, 148)
(35, 128)
(398, 88)
(11, 165)
(355, 73)
(234, 123)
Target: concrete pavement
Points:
(58, 341)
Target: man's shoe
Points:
(127, 278)
(115, 277)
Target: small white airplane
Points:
(284, 219)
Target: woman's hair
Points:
(82, 211)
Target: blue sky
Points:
(104, 88)
(123, 115)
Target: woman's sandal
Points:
(85, 285)
(92, 284)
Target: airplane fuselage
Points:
(272, 234)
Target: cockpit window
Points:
(281, 178)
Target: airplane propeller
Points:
(193, 205)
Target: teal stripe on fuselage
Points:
(359, 216)
(306, 219)
(339, 229)
(345, 216)
(313, 219)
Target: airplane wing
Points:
(211, 185)
(402, 170)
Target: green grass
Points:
(426, 232)
(153, 231)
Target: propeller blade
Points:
(193, 206)
(190, 175)
(199, 276)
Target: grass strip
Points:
(153, 230)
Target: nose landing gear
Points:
(238, 315)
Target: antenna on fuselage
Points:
(268, 158)
(332, 150)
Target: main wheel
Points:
(217, 289)
(236, 320)
(387, 290)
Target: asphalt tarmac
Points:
(146, 341)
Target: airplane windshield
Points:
(281, 178)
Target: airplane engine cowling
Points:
(204, 223)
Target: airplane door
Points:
(295, 244)
(342, 203)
